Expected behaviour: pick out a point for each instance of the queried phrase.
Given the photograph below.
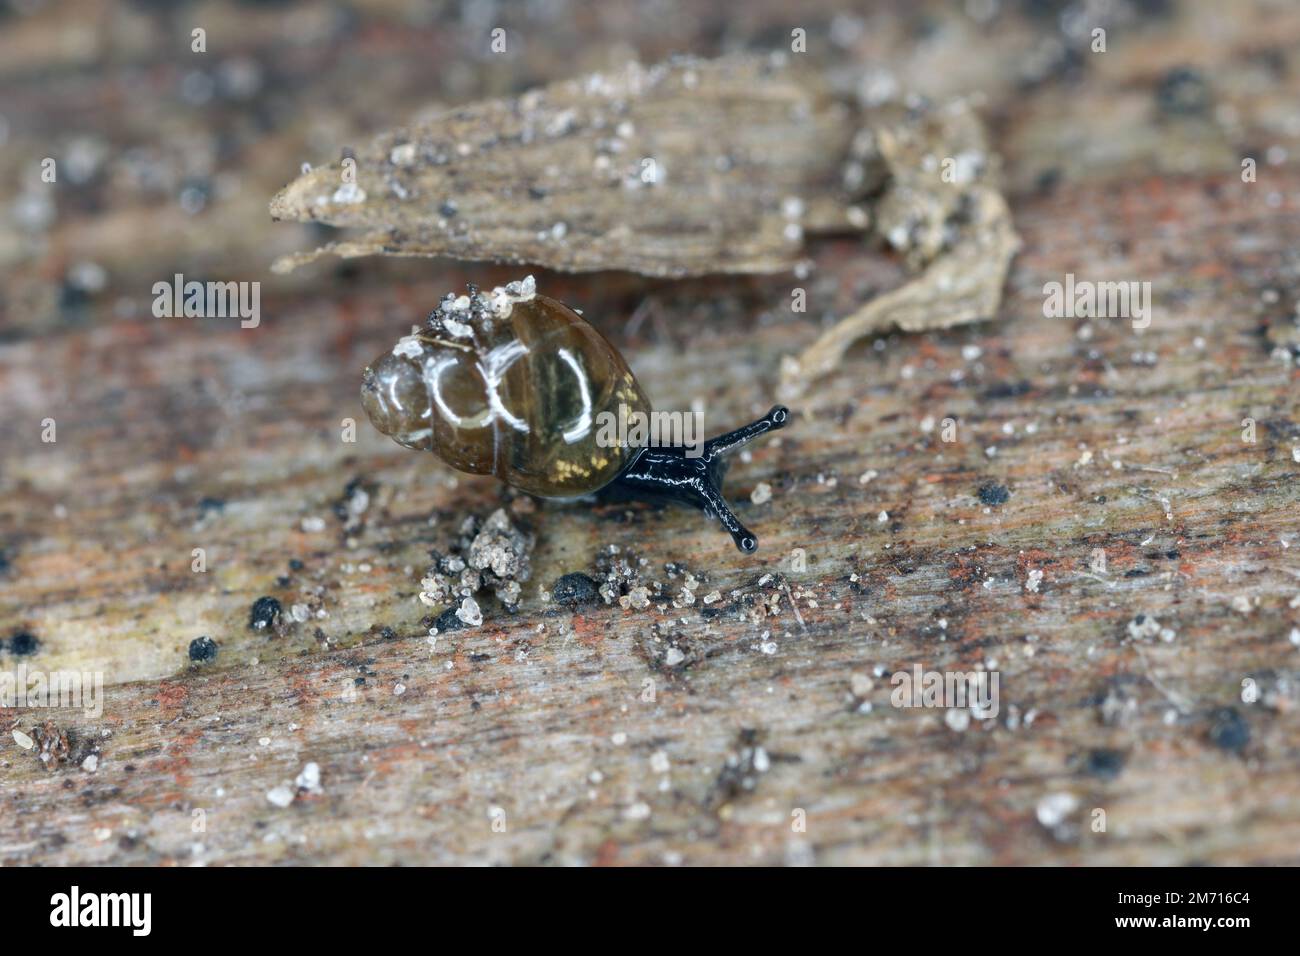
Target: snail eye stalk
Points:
(670, 474)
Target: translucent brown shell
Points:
(521, 397)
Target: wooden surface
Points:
(176, 434)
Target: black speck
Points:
(1106, 764)
(342, 511)
(23, 644)
(1228, 729)
(295, 564)
(1048, 180)
(448, 621)
(72, 298)
(574, 589)
(709, 612)
(1154, 8)
(536, 192)
(265, 613)
(1171, 555)
(1183, 92)
(210, 504)
(203, 649)
(991, 493)
(448, 209)
(1007, 390)
(480, 658)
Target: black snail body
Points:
(517, 385)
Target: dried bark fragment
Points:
(962, 285)
(958, 232)
(686, 168)
(683, 168)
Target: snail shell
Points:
(511, 384)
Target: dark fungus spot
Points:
(1106, 764)
(574, 589)
(203, 649)
(991, 493)
(265, 613)
(1228, 729)
(448, 621)
(23, 644)
(480, 658)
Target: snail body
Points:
(513, 383)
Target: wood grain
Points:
(176, 434)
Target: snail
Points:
(512, 383)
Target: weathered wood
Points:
(176, 434)
(689, 167)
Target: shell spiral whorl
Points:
(509, 383)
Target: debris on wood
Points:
(50, 742)
(490, 556)
(575, 588)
